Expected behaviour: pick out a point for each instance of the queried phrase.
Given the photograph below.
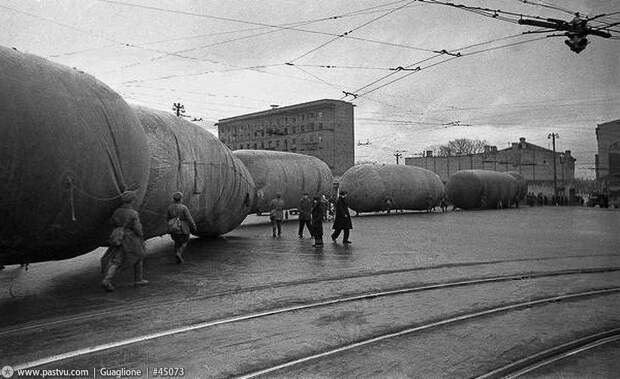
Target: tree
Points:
(459, 146)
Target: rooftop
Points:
(285, 109)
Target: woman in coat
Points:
(126, 243)
(342, 220)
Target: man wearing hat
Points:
(276, 213)
(342, 221)
(305, 214)
(126, 243)
(180, 224)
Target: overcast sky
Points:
(225, 58)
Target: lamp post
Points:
(553, 136)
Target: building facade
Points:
(322, 128)
(607, 161)
(533, 162)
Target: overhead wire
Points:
(541, 3)
(353, 30)
(416, 64)
(448, 60)
(293, 24)
(85, 31)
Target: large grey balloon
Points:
(472, 189)
(69, 145)
(408, 187)
(217, 187)
(289, 174)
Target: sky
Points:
(226, 58)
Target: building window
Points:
(302, 128)
(254, 147)
(320, 126)
(285, 130)
(293, 141)
(278, 143)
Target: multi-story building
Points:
(534, 163)
(322, 128)
(607, 161)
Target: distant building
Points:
(322, 128)
(534, 163)
(607, 161)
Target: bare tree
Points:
(459, 146)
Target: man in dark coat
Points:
(180, 237)
(305, 215)
(317, 213)
(127, 244)
(342, 220)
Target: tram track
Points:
(552, 355)
(445, 322)
(146, 305)
(310, 305)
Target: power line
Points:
(547, 5)
(282, 27)
(85, 31)
(279, 28)
(416, 64)
(450, 59)
(317, 78)
(351, 31)
(298, 23)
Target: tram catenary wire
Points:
(340, 300)
(432, 325)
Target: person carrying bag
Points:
(180, 224)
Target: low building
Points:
(607, 161)
(322, 128)
(534, 163)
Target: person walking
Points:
(317, 212)
(444, 204)
(430, 206)
(305, 214)
(342, 219)
(276, 214)
(180, 224)
(126, 244)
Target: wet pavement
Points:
(56, 307)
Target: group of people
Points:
(311, 215)
(127, 240)
(532, 199)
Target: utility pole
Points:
(553, 136)
(178, 108)
(398, 154)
